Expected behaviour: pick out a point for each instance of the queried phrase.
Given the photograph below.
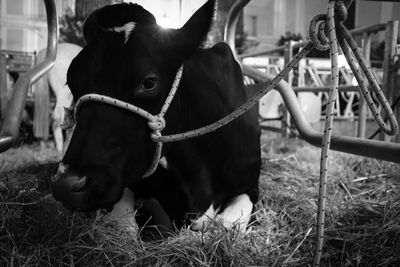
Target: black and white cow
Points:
(130, 58)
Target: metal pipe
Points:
(363, 147)
(12, 121)
(272, 50)
(231, 20)
(341, 88)
(263, 52)
(271, 128)
(368, 29)
(354, 32)
(362, 104)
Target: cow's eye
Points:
(148, 86)
(149, 83)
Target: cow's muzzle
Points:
(69, 187)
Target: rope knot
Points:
(155, 136)
(157, 125)
(317, 32)
(340, 11)
(318, 26)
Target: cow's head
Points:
(130, 58)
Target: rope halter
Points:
(155, 122)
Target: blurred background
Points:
(263, 23)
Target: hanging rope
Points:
(337, 33)
(331, 43)
(350, 51)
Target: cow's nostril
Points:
(80, 184)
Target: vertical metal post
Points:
(41, 111)
(396, 85)
(180, 12)
(392, 28)
(3, 85)
(9, 128)
(362, 107)
(288, 56)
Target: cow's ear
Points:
(91, 29)
(194, 32)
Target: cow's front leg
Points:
(237, 213)
(123, 213)
(150, 213)
(204, 220)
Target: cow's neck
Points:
(189, 159)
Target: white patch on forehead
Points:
(126, 29)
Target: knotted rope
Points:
(155, 122)
(324, 43)
(332, 23)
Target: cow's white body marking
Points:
(237, 213)
(123, 213)
(203, 221)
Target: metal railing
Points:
(15, 108)
(369, 148)
(363, 147)
(355, 32)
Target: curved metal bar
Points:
(363, 147)
(231, 20)
(272, 50)
(354, 32)
(341, 88)
(15, 107)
